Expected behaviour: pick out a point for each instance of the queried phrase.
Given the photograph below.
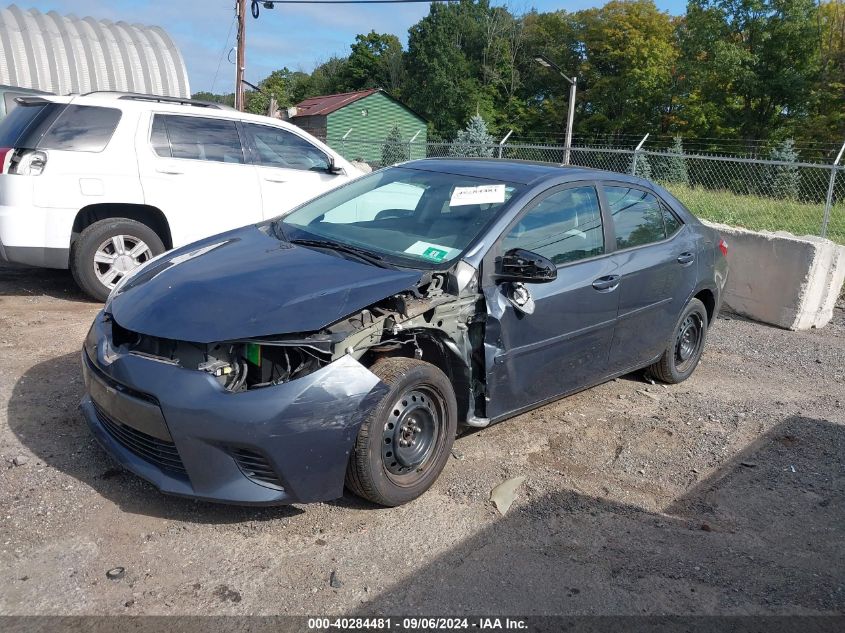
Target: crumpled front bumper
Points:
(180, 430)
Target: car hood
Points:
(247, 283)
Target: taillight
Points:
(4, 152)
(27, 162)
(723, 246)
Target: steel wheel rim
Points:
(688, 341)
(412, 434)
(117, 256)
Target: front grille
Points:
(256, 467)
(159, 452)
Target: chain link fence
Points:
(801, 198)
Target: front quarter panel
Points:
(306, 427)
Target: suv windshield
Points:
(409, 215)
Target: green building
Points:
(355, 124)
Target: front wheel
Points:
(406, 440)
(109, 249)
(684, 348)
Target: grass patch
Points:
(761, 214)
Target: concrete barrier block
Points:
(782, 279)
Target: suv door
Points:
(195, 171)
(564, 344)
(291, 169)
(656, 260)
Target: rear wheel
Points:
(405, 442)
(109, 249)
(684, 348)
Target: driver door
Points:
(564, 344)
(290, 169)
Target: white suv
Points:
(100, 183)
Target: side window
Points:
(671, 223)
(564, 227)
(637, 216)
(158, 137)
(82, 129)
(203, 139)
(277, 147)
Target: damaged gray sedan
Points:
(350, 341)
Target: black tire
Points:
(83, 265)
(685, 346)
(420, 397)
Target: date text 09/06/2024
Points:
(419, 623)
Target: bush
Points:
(783, 181)
(394, 149)
(475, 140)
(643, 165)
(675, 164)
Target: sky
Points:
(296, 36)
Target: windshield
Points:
(407, 215)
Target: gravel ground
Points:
(725, 494)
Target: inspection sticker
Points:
(483, 194)
(433, 252)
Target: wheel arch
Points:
(145, 214)
(708, 298)
(435, 347)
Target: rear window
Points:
(24, 126)
(82, 129)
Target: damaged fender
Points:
(304, 428)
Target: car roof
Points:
(509, 170)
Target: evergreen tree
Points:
(676, 166)
(394, 149)
(474, 140)
(643, 165)
(783, 181)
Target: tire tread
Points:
(358, 480)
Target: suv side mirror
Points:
(519, 264)
(332, 168)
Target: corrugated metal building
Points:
(66, 54)
(366, 114)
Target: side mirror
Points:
(332, 168)
(519, 264)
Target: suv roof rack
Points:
(137, 96)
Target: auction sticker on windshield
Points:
(432, 252)
(483, 194)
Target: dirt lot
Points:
(725, 494)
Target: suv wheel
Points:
(109, 249)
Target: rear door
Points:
(656, 259)
(291, 170)
(195, 170)
(564, 344)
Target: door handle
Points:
(607, 283)
(686, 258)
(169, 171)
(279, 180)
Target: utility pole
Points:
(545, 62)
(241, 57)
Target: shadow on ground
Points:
(26, 281)
(43, 413)
(763, 534)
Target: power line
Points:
(222, 53)
(255, 7)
